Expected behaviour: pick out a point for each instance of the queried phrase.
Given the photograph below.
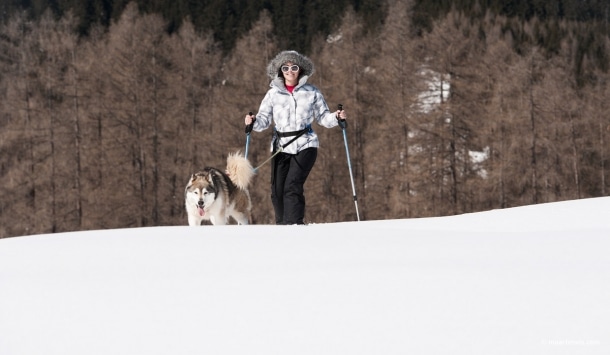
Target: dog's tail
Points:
(239, 170)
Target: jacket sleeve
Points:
(324, 116)
(264, 116)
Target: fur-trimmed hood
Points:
(306, 65)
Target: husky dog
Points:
(215, 195)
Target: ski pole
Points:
(248, 131)
(343, 125)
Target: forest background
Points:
(107, 107)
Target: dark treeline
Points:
(571, 10)
(296, 23)
(103, 130)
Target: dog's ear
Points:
(211, 178)
(193, 177)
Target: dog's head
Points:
(200, 191)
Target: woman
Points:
(292, 105)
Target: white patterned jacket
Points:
(294, 112)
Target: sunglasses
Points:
(286, 68)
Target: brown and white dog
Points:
(215, 195)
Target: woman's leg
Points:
(294, 198)
(279, 170)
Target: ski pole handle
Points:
(249, 127)
(342, 121)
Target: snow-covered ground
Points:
(528, 280)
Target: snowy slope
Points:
(529, 280)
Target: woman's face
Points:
(291, 76)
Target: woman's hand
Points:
(249, 118)
(340, 114)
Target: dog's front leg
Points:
(218, 221)
(194, 221)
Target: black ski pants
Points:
(288, 176)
